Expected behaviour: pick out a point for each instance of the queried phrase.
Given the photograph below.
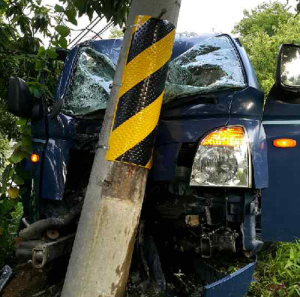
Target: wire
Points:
(96, 34)
(102, 30)
(83, 30)
(86, 31)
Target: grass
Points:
(278, 271)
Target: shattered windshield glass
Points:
(90, 86)
(208, 65)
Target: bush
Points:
(278, 271)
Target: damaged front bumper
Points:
(234, 285)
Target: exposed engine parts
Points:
(49, 238)
(223, 240)
(208, 243)
(42, 251)
(204, 221)
(37, 229)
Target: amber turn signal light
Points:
(284, 143)
(227, 136)
(34, 158)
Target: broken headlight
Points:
(223, 159)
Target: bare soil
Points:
(28, 281)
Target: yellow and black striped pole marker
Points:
(140, 97)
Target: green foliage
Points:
(4, 152)
(278, 271)
(265, 17)
(115, 32)
(262, 31)
(10, 215)
(298, 6)
(62, 30)
(113, 10)
(12, 179)
(23, 54)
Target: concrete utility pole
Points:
(103, 247)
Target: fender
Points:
(247, 110)
(55, 157)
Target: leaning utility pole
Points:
(104, 242)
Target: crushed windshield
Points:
(210, 65)
(90, 86)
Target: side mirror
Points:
(288, 68)
(20, 100)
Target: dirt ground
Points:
(27, 281)
(31, 282)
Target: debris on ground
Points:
(5, 274)
(28, 281)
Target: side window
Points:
(90, 85)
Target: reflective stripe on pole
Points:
(140, 97)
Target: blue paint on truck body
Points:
(281, 200)
(177, 125)
(188, 122)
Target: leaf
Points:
(90, 13)
(26, 129)
(292, 254)
(37, 93)
(80, 5)
(13, 193)
(18, 180)
(41, 51)
(11, 171)
(51, 52)
(21, 121)
(63, 42)
(27, 143)
(8, 172)
(62, 30)
(288, 265)
(17, 156)
(38, 65)
(3, 4)
(58, 8)
(71, 15)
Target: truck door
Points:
(281, 121)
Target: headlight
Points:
(223, 159)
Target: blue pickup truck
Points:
(225, 173)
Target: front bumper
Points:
(234, 285)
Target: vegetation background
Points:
(27, 25)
